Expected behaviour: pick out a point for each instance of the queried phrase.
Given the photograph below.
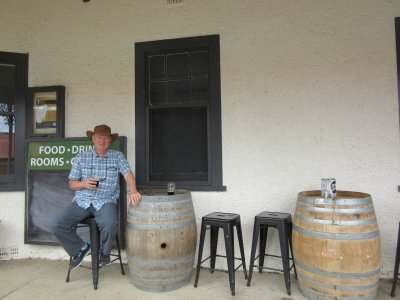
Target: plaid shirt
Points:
(86, 164)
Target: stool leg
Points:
(263, 243)
(201, 244)
(95, 245)
(240, 238)
(229, 246)
(119, 255)
(213, 246)
(291, 248)
(396, 265)
(69, 269)
(283, 239)
(256, 230)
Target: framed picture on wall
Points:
(46, 111)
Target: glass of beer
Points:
(96, 175)
(171, 188)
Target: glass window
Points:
(178, 113)
(13, 85)
(44, 112)
(7, 119)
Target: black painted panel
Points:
(179, 144)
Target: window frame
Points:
(16, 181)
(397, 31)
(60, 99)
(397, 37)
(142, 147)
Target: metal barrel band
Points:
(337, 236)
(355, 276)
(336, 222)
(337, 210)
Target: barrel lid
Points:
(162, 194)
(340, 196)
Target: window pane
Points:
(178, 65)
(179, 144)
(199, 63)
(156, 67)
(157, 92)
(7, 121)
(7, 146)
(178, 91)
(45, 112)
(200, 89)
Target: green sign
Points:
(58, 154)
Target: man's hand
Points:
(134, 198)
(77, 185)
(91, 184)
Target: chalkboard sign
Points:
(47, 191)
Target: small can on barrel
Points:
(328, 187)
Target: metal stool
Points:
(396, 265)
(227, 222)
(282, 222)
(95, 249)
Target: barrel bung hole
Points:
(163, 245)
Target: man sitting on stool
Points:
(94, 177)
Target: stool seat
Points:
(222, 217)
(94, 233)
(283, 223)
(275, 216)
(227, 221)
(396, 265)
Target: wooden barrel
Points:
(336, 246)
(161, 240)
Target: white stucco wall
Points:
(309, 90)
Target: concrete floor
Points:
(45, 279)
